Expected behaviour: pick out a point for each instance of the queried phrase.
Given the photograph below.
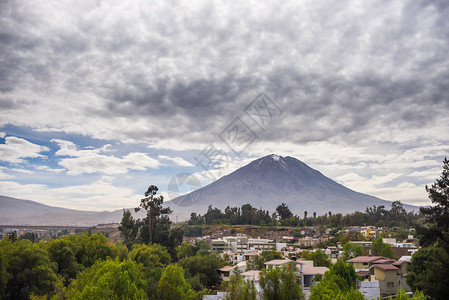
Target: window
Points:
(390, 284)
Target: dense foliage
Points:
(318, 257)
(281, 283)
(337, 283)
(429, 270)
(397, 216)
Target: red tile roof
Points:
(363, 259)
(383, 261)
(386, 267)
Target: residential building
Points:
(389, 273)
(241, 244)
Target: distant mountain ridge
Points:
(273, 179)
(25, 212)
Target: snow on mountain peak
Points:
(275, 157)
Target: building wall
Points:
(389, 281)
(359, 265)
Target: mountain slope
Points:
(25, 212)
(273, 179)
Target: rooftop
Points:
(227, 268)
(253, 275)
(383, 261)
(308, 270)
(255, 253)
(363, 259)
(386, 267)
(279, 262)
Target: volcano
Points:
(271, 180)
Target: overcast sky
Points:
(99, 100)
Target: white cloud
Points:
(3, 175)
(97, 196)
(48, 169)
(92, 161)
(2, 135)
(16, 150)
(179, 161)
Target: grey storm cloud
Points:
(338, 70)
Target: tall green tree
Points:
(429, 272)
(284, 212)
(128, 228)
(156, 213)
(429, 269)
(436, 227)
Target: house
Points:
(365, 262)
(250, 255)
(389, 273)
(308, 272)
(254, 277)
(241, 244)
(227, 271)
(233, 258)
(388, 277)
(279, 263)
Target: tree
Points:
(284, 212)
(437, 216)
(173, 285)
(201, 271)
(402, 295)
(29, 269)
(382, 249)
(153, 206)
(128, 228)
(186, 250)
(429, 271)
(238, 289)
(150, 256)
(4, 275)
(91, 248)
(319, 258)
(63, 252)
(338, 283)
(352, 235)
(110, 279)
(351, 250)
(305, 214)
(280, 283)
